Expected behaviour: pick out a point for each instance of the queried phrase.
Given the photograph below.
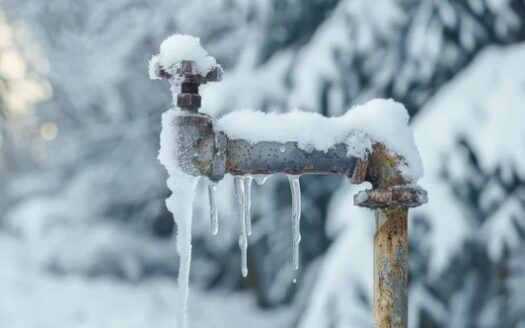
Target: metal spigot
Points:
(196, 140)
(202, 151)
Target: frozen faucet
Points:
(204, 150)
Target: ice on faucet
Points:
(296, 217)
(248, 203)
(180, 204)
(214, 215)
(243, 226)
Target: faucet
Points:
(204, 151)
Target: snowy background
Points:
(85, 238)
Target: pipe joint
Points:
(407, 196)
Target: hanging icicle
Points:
(248, 203)
(214, 214)
(296, 217)
(261, 179)
(243, 232)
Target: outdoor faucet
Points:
(205, 151)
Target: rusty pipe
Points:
(390, 198)
(266, 157)
(391, 267)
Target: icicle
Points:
(261, 179)
(180, 203)
(243, 232)
(248, 204)
(214, 215)
(296, 217)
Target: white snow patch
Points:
(73, 301)
(177, 48)
(379, 120)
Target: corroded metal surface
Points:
(243, 157)
(390, 197)
(391, 267)
(383, 168)
(411, 196)
(195, 144)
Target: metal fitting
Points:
(189, 78)
(189, 101)
(195, 142)
(391, 196)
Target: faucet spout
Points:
(205, 152)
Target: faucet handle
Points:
(188, 71)
(188, 76)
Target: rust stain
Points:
(383, 168)
(202, 144)
(390, 263)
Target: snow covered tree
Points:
(470, 279)
(21, 86)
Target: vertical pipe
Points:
(391, 267)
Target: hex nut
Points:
(188, 100)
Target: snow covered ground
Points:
(33, 298)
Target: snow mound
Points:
(379, 120)
(177, 48)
